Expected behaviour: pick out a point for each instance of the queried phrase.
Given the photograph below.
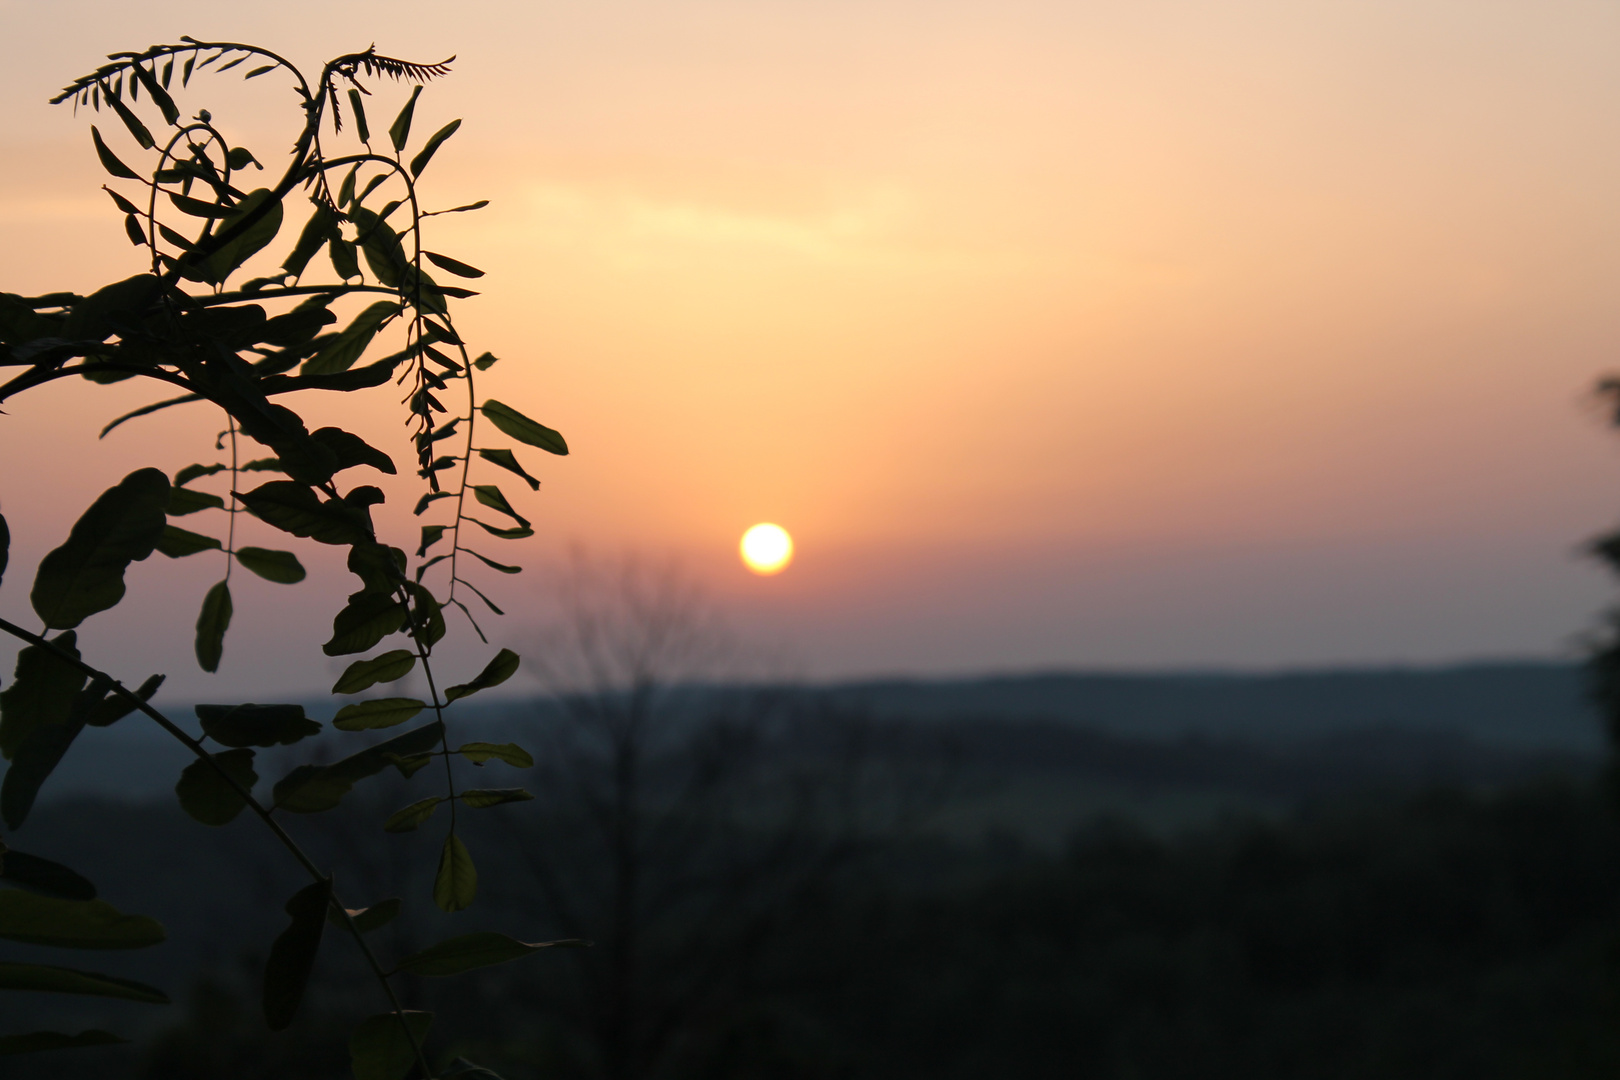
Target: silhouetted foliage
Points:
(194, 322)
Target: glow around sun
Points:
(766, 549)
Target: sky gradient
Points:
(1057, 334)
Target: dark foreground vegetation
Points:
(1455, 920)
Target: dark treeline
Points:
(798, 914)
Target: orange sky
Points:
(1057, 334)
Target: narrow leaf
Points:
(133, 123)
(467, 952)
(518, 532)
(292, 956)
(454, 266)
(411, 817)
(44, 876)
(481, 798)
(497, 671)
(508, 461)
(429, 148)
(380, 713)
(490, 496)
(523, 429)
(456, 884)
(61, 980)
(427, 500)
(492, 564)
(511, 753)
(192, 472)
(320, 228)
(183, 501)
(73, 924)
(400, 132)
(159, 96)
(36, 1041)
(359, 111)
(109, 160)
(349, 345)
(363, 674)
(282, 567)
(212, 622)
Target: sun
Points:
(766, 549)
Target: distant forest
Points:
(1000, 878)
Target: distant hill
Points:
(1514, 706)
(1275, 738)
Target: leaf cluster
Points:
(195, 323)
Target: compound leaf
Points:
(293, 508)
(310, 789)
(344, 350)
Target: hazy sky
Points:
(1058, 334)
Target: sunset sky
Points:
(1057, 334)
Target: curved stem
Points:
(253, 804)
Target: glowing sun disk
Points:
(766, 549)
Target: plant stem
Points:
(253, 804)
